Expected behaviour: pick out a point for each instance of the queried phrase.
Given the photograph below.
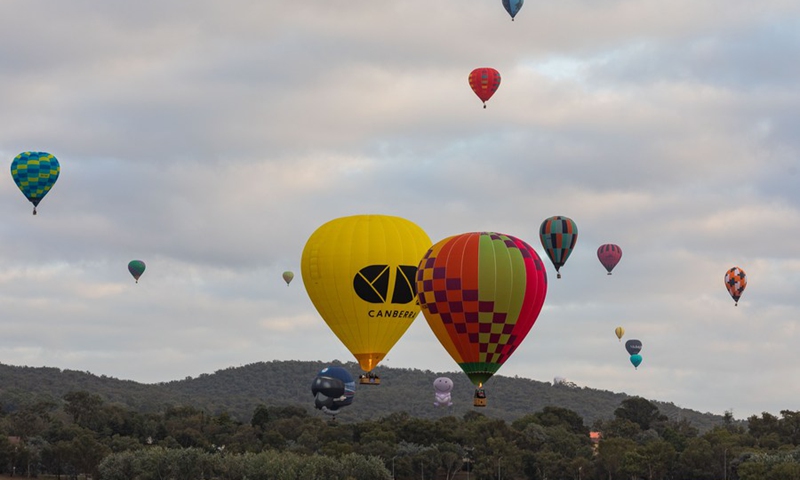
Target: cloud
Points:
(211, 139)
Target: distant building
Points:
(564, 382)
(595, 437)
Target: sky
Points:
(210, 139)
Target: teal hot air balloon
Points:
(35, 173)
(558, 235)
(636, 360)
(136, 267)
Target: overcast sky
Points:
(210, 139)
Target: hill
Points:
(238, 390)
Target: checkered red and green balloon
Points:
(481, 293)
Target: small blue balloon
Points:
(512, 7)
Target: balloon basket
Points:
(479, 402)
(365, 380)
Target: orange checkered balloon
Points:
(735, 282)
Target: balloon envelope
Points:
(484, 82)
(333, 388)
(512, 7)
(35, 173)
(287, 277)
(359, 273)
(636, 360)
(609, 255)
(620, 332)
(735, 282)
(442, 387)
(481, 293)
(633, 346)
(558, 236)
(136, 267)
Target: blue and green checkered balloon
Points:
(35, 173)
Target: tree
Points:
(555, 416)
(639, 411)
(678, 433)
(260, 417)
(451, 457)
(697, 460)
(789, 427)
(119, 466)
(86, 453)
(611, 455)
(83, 406)
(657, 458)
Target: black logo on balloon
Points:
(371, 284)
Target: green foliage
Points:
(238, 391)
(639, 411)
(85, 432)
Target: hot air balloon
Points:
(609, 255)
(481, 293)
(512, 7)
(136, 267)
(287, 277)
(442, 387)
(633, 346)
(484, 82)
(636, 360)
(35, 173)
(735, 282)
(333, 388)
(620, 332)
(558, 235)
(359, 273)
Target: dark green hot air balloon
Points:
(35, 173)
(136, 267)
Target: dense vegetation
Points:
(257, 422)
(237, 391)
(84, 434)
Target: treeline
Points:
(83, 434)
(238, 390)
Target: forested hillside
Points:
(238, 390)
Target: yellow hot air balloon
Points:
(360, 273)
(620, 332)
